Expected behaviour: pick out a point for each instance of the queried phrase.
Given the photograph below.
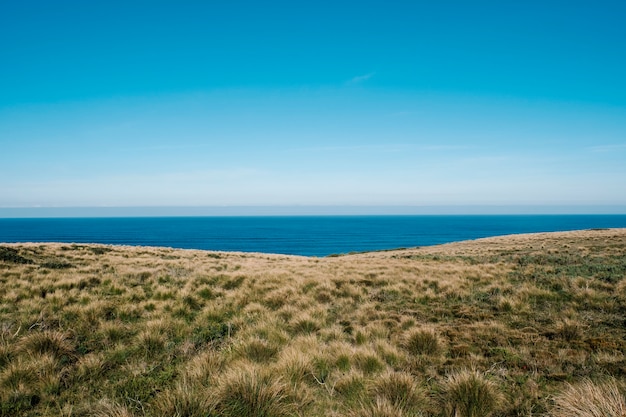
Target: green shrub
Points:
(56, 265)
(12, 255)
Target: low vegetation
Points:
(527, 325)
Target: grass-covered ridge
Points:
(512, 326)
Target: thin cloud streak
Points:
(383, 148)
(608, 148)
(361, 78)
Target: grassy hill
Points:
(524, 325)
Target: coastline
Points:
(309, 236)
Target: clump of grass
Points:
(469, 394)
(151, 344)
(305, 325)
(570, 330)
(258, 350)
(393, 355)
(360, 338)
(184, 400)
(233, 283)
(91, 367)
(210, 332)
(379, 408)
(422, 342)
(207, 293)
(321, 371)
(17, 375)
(192, 302)
(351, 386)
(323, 296)
(54, 264)
(49, 377)
(47, 341)
(19, 403)
(248, 391)
(113, 332)
(589, 399)
(99, 250)
(204, 366)
(276, 299)
(369, 363)
(6, 355)
(342, 362)
(105, 408)
(295, 365)
(400, 390)
(25, 382)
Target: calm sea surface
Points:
(298, 235)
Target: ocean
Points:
(293, 235)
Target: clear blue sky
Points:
(368, 103)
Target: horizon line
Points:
(310, 210)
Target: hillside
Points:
(509, 326)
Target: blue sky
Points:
(451, 103)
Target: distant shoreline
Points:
(293, 235)
(490, 240)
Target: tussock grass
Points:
(350, 386)
(183, 400)
(589, 399)
(511, 326)
(91, 367)
(55, 343)
(368, 363)
(257, 350)
(106, 408)
(470, 394)
(422, 342)
(379, 408)
(296, 365)
(250, 391)
(400, 390)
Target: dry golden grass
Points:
(131, 331)
(470, 394)
(589, 399)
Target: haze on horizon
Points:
(315, 104)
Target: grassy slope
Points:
(127, 331)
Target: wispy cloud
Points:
(444, 147)
(354, 148)
(609, 148)
(382, 148)
(402, 113)
(177, 147)
(360, 78)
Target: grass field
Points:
(526, 325)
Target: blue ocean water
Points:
(297, 235)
